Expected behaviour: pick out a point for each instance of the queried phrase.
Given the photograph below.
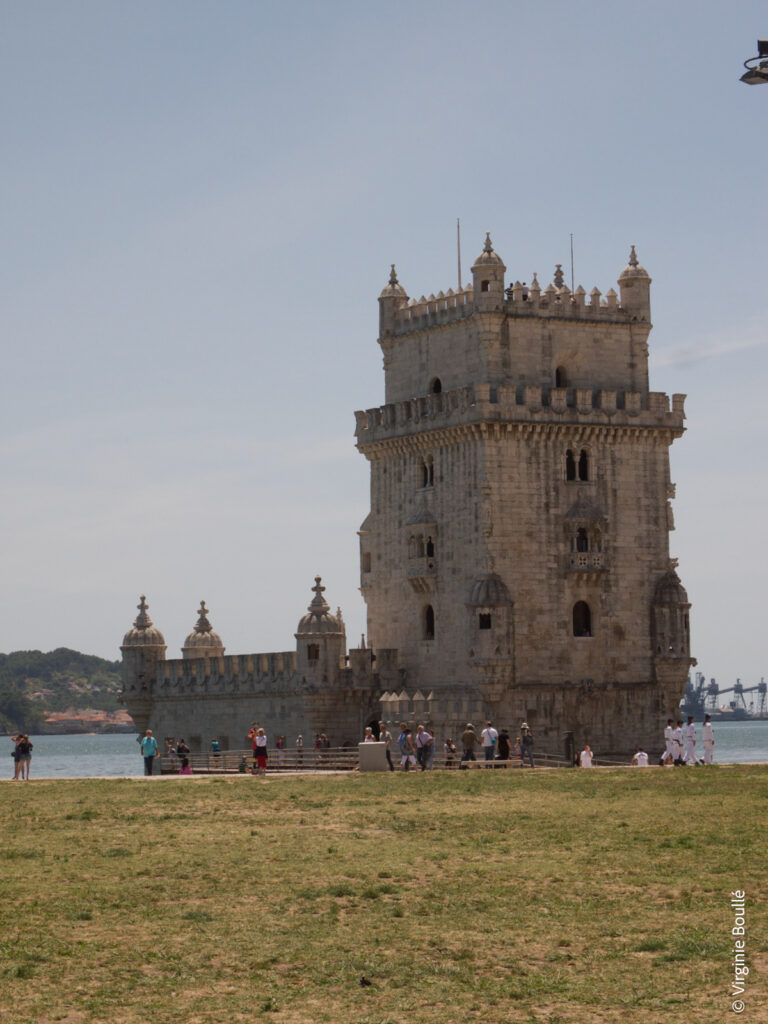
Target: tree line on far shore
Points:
(34, 683)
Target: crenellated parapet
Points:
(521, 405)
(240, 673)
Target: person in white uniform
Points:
(690, 742)
(708, 737)
(640, 759)
(677, 743)
(666, 757)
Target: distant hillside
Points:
(39, 692)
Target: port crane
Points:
(702, 697)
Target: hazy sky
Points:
(200, 203)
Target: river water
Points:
(78, 756)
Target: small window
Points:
(561, 379)
(582, 541)
(366, 561)
(419, 546)
(570, 465)
(582, 619)
(436, 386)
(313, 652)
(583, 464)
(430, 548)
(484, 286)
(429, 623)
(484, 620)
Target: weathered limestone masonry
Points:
(515, 562)
(207, 694)
(516, 554)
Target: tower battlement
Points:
(523, 404)
(560, 303)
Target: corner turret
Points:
(488, 279)
(635, 287)
(391, 299)
(143, 646)
(320, 640)
(202, 642)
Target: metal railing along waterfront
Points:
(233, 762)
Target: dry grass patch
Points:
(557, 897)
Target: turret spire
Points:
(142, 620)
(633, 261)
(203, 625)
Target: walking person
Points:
(504, 745)
(450, 752)
(526, 745)
(667, 757)
(708, 739)
(385, 737)
(407, 752)
(489, 737)
(469, 740)
(148, 751)
(690, 742)
(25, 756)
(423, 743)
(677, 743)
(260, 751)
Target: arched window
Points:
(429, 623)
(582, 619)
(570, 465)
(583, 464)
(561, 379)
(582, 541)
(436, 386)
(430, 548)
(424, 473)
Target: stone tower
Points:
(516, 554)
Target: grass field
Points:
(564, 897)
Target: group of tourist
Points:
(680, 743)
(417, 750)
(22, 755)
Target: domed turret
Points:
(202, 642)
(392, 297)
(669, 618)
(318, 618)
(670, 591)
(143, 633)
(143, 647)
(635, 287)
(320, 639)
(489, 590)
(488, 279)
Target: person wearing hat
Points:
(526, 741)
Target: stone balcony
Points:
(586, 561)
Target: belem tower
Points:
(515, 560)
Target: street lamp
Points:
(757, 73)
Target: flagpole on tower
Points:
(458, 247)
